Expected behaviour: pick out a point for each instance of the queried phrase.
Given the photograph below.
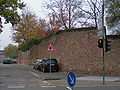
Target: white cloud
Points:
(5, 36)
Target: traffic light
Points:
(100, 43)
(107, 45)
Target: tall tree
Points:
(113, 14)
(67, 12)
(11, 51)
(8, 10)
(93, 9)
(29, 27)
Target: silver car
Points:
(35, 64)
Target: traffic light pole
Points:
(103, 63)
(104, 37)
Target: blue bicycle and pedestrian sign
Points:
(71, 79)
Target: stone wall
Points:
(113, 57)
(77, 51)
(24, 58)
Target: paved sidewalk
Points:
(98, 78)
(87, 81)
(82, 83)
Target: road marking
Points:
(16, 86)
(45, 83)
(48, 86)
(34, 74)
(69, 88)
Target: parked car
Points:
(35, 64)
(40, 64)
(45, 65)
(13, 61)
(7, 61)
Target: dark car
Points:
(7, 61)
(45, 65)
(35, 64)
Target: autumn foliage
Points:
(31, 29)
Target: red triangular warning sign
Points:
(50, 48)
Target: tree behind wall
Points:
(93, 9)
(11, 51)
(68, 13)
(113, 15)
(29, 27)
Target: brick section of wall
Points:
(24, 58)
(78, 52)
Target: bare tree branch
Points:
(69, 12)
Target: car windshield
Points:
(44, 61)
(38, 60)
(52, 61)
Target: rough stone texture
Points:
(24, 58)
(78, 52)
(113, 57)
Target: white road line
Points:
(16, 86)
(69, 88)
(34, 74)
(45, 83)
(48, 86)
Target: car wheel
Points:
(36, 68)
(39, 69)
(57, 70)
(43, 70)
(33, 67)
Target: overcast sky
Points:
(6, 35)
(36, 7)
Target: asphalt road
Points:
(21, 77)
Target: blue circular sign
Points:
(71, 79)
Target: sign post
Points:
(71, 79)
(50, 49)
(50, 63)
